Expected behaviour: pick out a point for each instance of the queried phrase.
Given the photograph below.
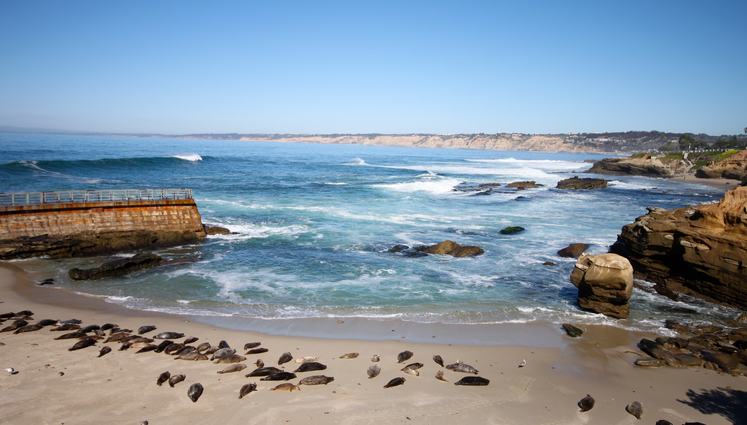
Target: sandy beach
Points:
(54, 385)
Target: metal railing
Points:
(66, 196)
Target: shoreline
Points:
(543, 392)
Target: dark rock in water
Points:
(699, 250)
(573, 250)
(398, 248)
(479, 188)
(572, 331)
(452, 248)
(648, 363)
(473, 380)
(605, 284)
(118, 267)
(215, 230)
(549, 264)
(395, 382)
(49, 281)
(575, 183)
(586, 403)
(194, 392)
(511, 230)
(522, 185)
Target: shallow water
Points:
(313, 224)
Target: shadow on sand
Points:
(727, 402)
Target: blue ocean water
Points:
(313, 224)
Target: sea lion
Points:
(210, 350)
(47, 322)
(263, 371)
(105, 350)
(72, 335)
(246, 389)
(191, 340)
(175, 379)
(163, 345)
(186, 350)
(286, 387)
(285, 358)
(223, 344)
(586, 403)
(16, 324)
(169, 335)
(473, 380)
(373, 371)
(250, 345)
(83, 343)
(203, 347)
(117, 337)
(145, 348)
(108, 326)
(8, 315)
(134, 339)
(24, 313)
(349, 356)
(90, 328)
(412, 368)
(195, 391)
(440, 376)
(635, 409)
(395, 382)
(71, 322)
(257, 350)
(145, 329)
(65, 327)
(223, 352)
(163, 378)
(238, 367)
(279, 376)
(235, 358)
(259, 363)
(28, 328)
(192, 355)
(310, 366)
(316, 380)
(404, 356)
(375, 358)
(462, 367)
(439, 361)
(173, 348)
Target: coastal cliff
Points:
(733, 166)
(642, 165)
(699, 250)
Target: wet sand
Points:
(120, 388)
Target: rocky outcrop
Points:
(446, 247)
(523, 185)
(511, 230)
(576, 183)
(605, 284)
(700, 250)
(118, 267)
(733, 167)
(573, 250)
(640, 165)
(215, 230)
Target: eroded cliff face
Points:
(645, 165)
(733, 167)
(699, 250)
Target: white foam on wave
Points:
(335, 183)
(545, 164)
(630, 185)
(47, 173)
(437, 187)
(357, 161)
(193, 157)
(243, 231)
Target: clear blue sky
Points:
(378, 66)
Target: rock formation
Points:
(576, 183)
(522, 185)
(733, 167)
(605, 284)
(511, 230)
(573, 250)
(118, 267)
(215, 230)
(641, 165)
(452, 248)
(696, 250)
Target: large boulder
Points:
(699, 250)
(576, 183)
(118, 267)
(605, 284)
(573, 250)
(452, 248)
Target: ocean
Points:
(313, 224)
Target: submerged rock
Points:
(573, 250)
(452, 248)
(118, 267)
(511, 230)
(605, 284)
(215, 230)
(522, 185)
(576, 183)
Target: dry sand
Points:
(56, 386)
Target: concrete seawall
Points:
(69, 229)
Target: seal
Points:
(163, 378)
(175, 379)
(223, 344)
(195, 391)
(473, 381)
(105, 350)
(234, 358)
(145, 348)
(373, 371)
(72, 335)
(285, 358)
(462, 367)
(586, 403)
(250, 345)
(375, 358)
(412, 368)
(191, 340)
(316, 380)
(439, 361)
(310, 366)
(192, 355)
(90, 328)
(16, 324)
(223, 352)
(202, 348)
(395, 382)
(116, 337)
(259, 363)
(83, 343)
(257, 351)
(246, 389)
(107, 326)
(169, 335)
(145, 329)
(349, 356)
(47, 322)
(28, 328)
(238, 367)
(635, 409)
(173, 348)
(66, 327)
(279, 376)
(263, 371)
(286, 387)
(440, 376)
(162, 346)
(404, 356)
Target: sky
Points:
(374, 67)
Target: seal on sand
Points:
(195, 391)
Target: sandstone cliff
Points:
(643, 165)
(732, 167)
(697, 250)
